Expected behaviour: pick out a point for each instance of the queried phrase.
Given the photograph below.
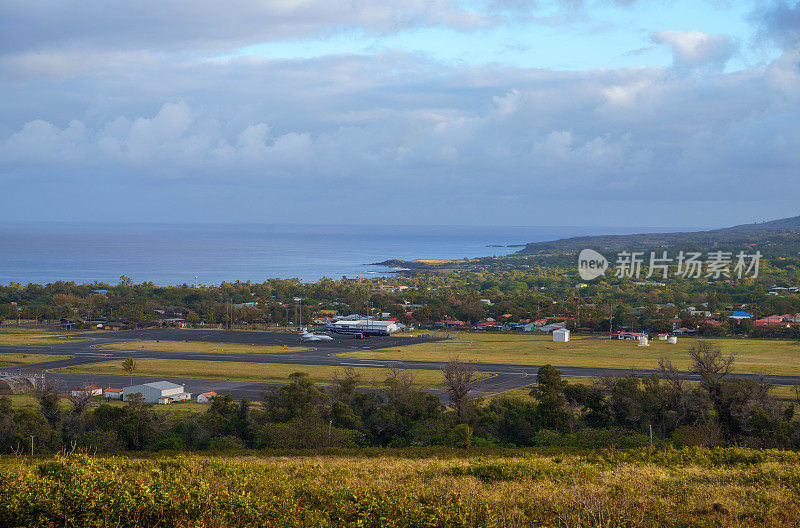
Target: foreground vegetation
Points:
(690, 487)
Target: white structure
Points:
(561, 336)
(112, 394)
(89, 390)
(662, 337)
(205, 397)
(643, 341)
(672, 340)
(158, 392)
(365, 326)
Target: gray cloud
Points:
(779, 23)
(208, 25)
(390, 127)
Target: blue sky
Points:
(507, 112)
(604, 36)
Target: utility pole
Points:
(298, 315)
(32, 445)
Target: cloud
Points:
(695, 49)
(208, 25)
(386, 125)
(779, 23)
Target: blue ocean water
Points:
(174, 254)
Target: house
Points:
(561, 336)
(628, 336)
(206, 397)
(89, 390)
(740, 315)
(112, 394)
(158, 392)
(663, 337)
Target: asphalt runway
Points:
(503, 377)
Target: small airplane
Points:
(305, 335)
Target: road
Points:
(503, 377)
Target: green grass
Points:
(198, 346)
(752, 355)
(243, 371)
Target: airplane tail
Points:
(328, 324)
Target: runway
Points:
(502, 377)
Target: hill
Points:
(774, 238)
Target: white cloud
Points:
(402, 130)
(695, 49)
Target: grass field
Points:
(243, 371)
(433, 488)
(32, 336)
(752, 355)
(197, 346)
(9, 360)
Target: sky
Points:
(386, 112)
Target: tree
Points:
(50, 403)
(300, 398)
(129, 365)
(709, 364)
(344, 383)
(460, 379)
(552, 401)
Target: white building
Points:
(89, 390)
(112, 394)
(561, 336)
(205, 397)
(158, 392)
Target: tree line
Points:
(717, 409)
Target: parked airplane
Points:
(365, 327)
(305, 335)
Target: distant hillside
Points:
(774, 237)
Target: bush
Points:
(222, 443)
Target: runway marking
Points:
(363, 364)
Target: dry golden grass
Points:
(752, 355)
(244, 371)
(199, 346)
(10, 359)
(32, 336)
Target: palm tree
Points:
(129, 365)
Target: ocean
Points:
(175, 254)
